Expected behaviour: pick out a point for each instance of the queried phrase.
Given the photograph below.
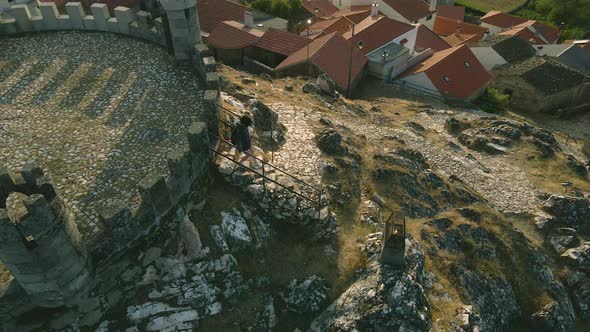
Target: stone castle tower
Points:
(41, 246)
(183, 25)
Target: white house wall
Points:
(422, 81)
(410, 36)
(488, 57)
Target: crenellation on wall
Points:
(49, 13)
(153, 191)
(76, 14)
(101, 14)
(22, 15)
(180, 178)
(124, 17)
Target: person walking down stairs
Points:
(242, 141)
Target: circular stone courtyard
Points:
(97, 111)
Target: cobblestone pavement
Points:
(506, 187)
(300, 155)
(97, 111)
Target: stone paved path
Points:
(97, 111)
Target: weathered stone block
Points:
(8, 25)
(179, 181)
(64, 22)
(202, 50)
(211, 110)
(89, 23)
(37, 22)
(45, 188)
(49, 13)
(30, 172)
(212, 81)
(6, 185)
(8, 232)
(124, 16)
(198, 140)
(144, 20)
(22, 15)
(113, 25)
(101, 14)
(153, 190)
(41, 215)
(76, 13)
(118, 219)
(210, 64)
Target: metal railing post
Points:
(263, 177)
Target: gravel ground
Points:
(97, 111)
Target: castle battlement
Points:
(139, 25)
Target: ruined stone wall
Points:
(41, 248)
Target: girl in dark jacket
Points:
(240, 137)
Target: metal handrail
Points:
(271, 165)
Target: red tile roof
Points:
(464, 80)
(445, 27)
(502, 20)
(231, 35)
(451, 12)
(412, 10)
(524, 33)
(327, 26)
(281, 42)
(324, 7)
(461, 38)
(330, 54)
(212, 12)
(426, 39)
(354, 13)
(550, 34)
(376, 31)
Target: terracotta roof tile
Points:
(324, 7)
(212, 12)
(326, 26)
(412, 10)
(585, 44)
(330, 54)
(451, 12)
(282, 42)
(445, 27)
(354, 13)
(426, 39)
(461, 38)
(524, 33)
(233, 35)
(376, 31)
(463, 80)
(502, 20)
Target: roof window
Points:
(447, 79)
(468, 65)
(403, 41)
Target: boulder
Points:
(579, 256)
(191, 240)
(330, 142)
(265, 119)
(569, 211)
(306, 296)
(312, 88)
(561, 243)
(235, 230)
(326, 84)
(575, 165)
(552, 319)
(581, 297)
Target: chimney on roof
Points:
(486, 34)
(459, 26)
(374, 9)
(248, 19)
(539, 50)
(433, 4)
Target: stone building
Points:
(539, 84)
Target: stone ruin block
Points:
(211, 111)
(113, 25)
(179, 180)
(22, 15)
(153, 191)
(38, 24)
(212, 81)
(49, 13)
(124, 17)
(89, 22)
(101, 14)
(45, 187)
(118, 219)
(41, 215)
(202, 51)
(8, 231)
(64, 22)
(209, 64)
(144, 20)
(76, 13)
(8, 25)
(160, 32)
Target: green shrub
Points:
(493, 101)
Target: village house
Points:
(500, 50)
(454, 73)
(535, 32)
(539, 84)
(330, 54)
(570, 55)
(458, 32)
(584, 44)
